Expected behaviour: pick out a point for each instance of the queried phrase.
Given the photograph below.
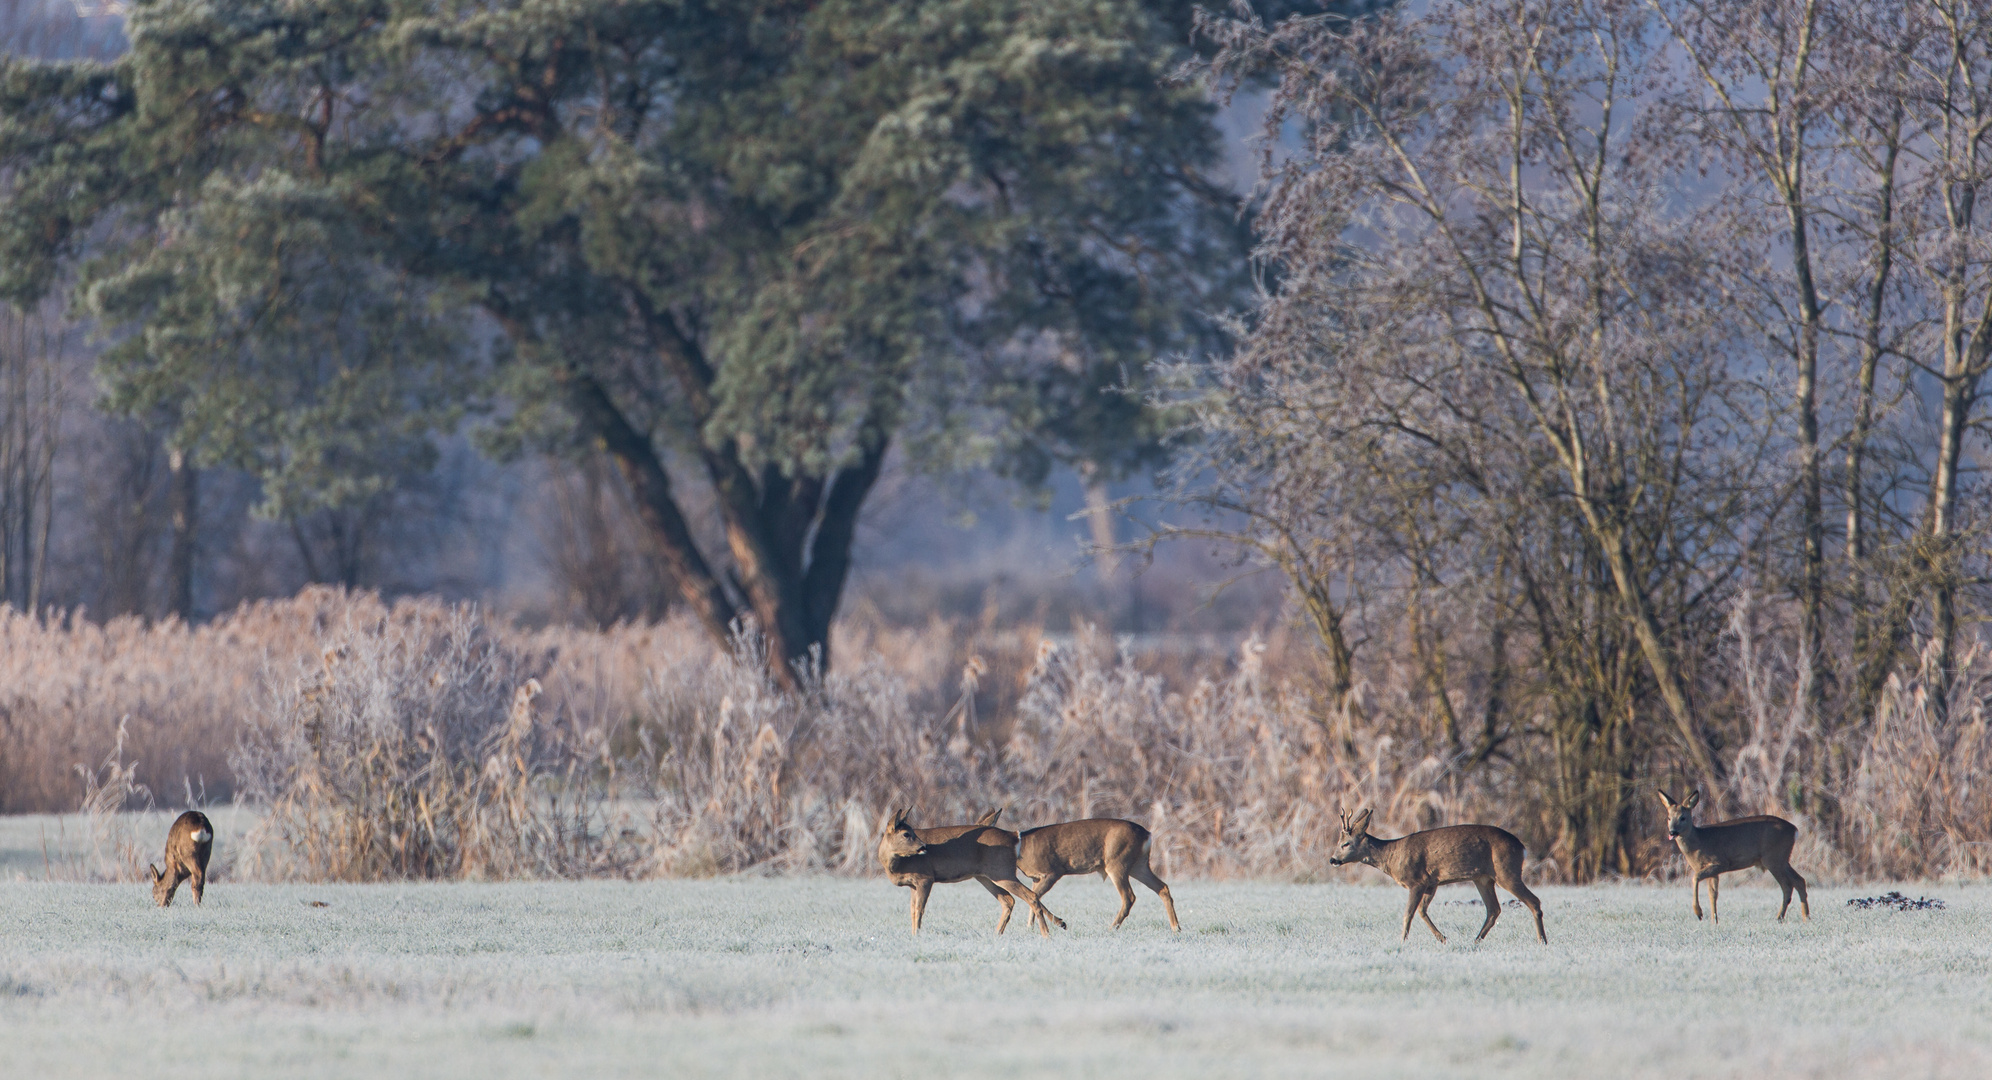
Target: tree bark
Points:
(185, 480)
(1100, 520)
(790, 538)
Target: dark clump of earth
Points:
(1895, 901)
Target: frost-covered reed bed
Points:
(404, 741)
(818, 976)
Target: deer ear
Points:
(1694, 800)
(1664, 800)
(156, 875)
(1361, 822)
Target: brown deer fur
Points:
(1713, 850)
(1483, 854)
(188, 844)
(918, 858)
(1116, 850)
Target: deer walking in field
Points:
(1713, 850)
(919, 858)
(1114, 849)
(188, 844)
(1423, 861)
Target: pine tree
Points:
(757, 242)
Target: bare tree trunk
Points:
(186, 517)
(1100, 519)
(1940, 555)
(32, 344)
(1874, 640)
(1949, 99)
(1766, 55)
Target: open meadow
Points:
(761, 976)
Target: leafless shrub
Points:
(412, 749)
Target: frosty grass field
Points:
(770, 976)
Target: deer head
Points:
(1357, 845)
(1680, 815)
(900, 841)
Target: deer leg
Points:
(1493, 902)
(1043, 886)
(1042, 918)
(1698, 897)
(1522, 893)
(1009, 902)
(1714, 889)
(920, 902)
(1425, 913)
(1784, 886)
(1147, 877)
(1126, 894)
(197, 882)
(1410, 912)
(1788, 879)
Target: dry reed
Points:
(418, 740)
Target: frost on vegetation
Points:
(113, 852)
(413, 749)
(420, 740)
(817, 976)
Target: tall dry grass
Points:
(412, 748)
(419, 740)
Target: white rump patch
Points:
(203, 836)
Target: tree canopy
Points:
(765, 240)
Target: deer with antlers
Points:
(1423, 861)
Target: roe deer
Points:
(188, 844)
(942, 833)
(1423, 861)
(1713, 850)
(918, 858)
(1112, 848)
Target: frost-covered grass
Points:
(807, 977)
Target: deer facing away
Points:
(1423, 861)
(919, 858)
(188, 844)
(1116, 850)
(1713, 850)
